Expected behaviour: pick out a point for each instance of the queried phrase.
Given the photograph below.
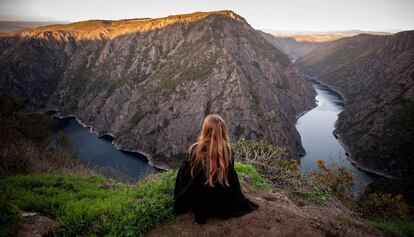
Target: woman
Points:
(207, 183)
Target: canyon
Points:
(375, 75)
(148, 83)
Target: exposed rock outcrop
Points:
(376, 76)
(150, 82)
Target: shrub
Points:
(24, 144)
(398, 228)
(384, 206)
(9, 218)
(339, 181)
(271, 161)
(250, 177)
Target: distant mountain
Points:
(8, 26)
(376, 76)
(150, 82)
(291, 47)
(298, 44)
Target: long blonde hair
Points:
(212, 151)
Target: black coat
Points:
(204, 201)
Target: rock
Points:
(150, 82)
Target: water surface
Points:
(100, 153)
(316, 130)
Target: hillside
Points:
(150, 82)
(295, 48)
(47, 192)
(299, 44)
(278, 215)
(71, 205)
(375, 75)
(6, 26)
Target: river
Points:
(100, 154)
(316, 130)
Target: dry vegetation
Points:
(25, 145)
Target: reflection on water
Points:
(315, 128)
(100, 154)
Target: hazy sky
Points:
(293, 15)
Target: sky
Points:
(288, 15)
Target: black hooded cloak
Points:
(204, 201)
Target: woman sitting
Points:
(207, 183)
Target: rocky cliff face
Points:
(150, 82)
(376, 76)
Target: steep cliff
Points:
(150, 82)
(376, 76)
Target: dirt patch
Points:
(277, 215)
(34, 225)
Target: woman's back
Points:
(200, 188)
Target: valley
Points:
(375, 75)
(149, 82)
(97, 116)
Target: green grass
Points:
(316, 196)
(250, 177)
(96, 206)
(86, 206)
(398, 228)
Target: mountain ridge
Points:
(299, 44)
(151, 89)
(107, 28)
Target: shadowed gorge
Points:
(149, 82)
(375, 75)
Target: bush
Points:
(25, 145)
(9, 218)
(339, 181)
(271, 161)
(398, 228)
(250, 178)
(384, 206)
(397, 186)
